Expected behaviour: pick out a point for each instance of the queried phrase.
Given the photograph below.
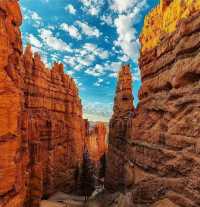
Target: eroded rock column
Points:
(119, 132)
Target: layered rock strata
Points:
(162, 145)
(119, 132)
(96, 141)
(164, 19)
(41, 124)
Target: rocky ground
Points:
(63, 200)
(103, 199)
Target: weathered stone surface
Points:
(164, 19)
(161, 148)
(119, 131)
(96, 141)
(41, 125)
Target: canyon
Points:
(153, 150)
(42, 130)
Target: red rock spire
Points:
(124, 98)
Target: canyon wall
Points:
(96, 141)
(161, 144)
(41, 124)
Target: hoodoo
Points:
(119, 133)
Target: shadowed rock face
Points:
(161, 151)
(119, 131)
(41, 124)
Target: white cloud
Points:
(92, 7)
(124, 58)
(136, 74)
(70, 60)
(96, 71)
(127, 36)
(98, 82)
(53, 42)
(122, 5)
(128, 14)
(78, 82)
(107, 19)
(34, 41)
(35, 16)
(110, 68)
(32, 16)
(92, 48)
(113, 75)
(72, 30)
(70, 8)
(85, 56)
(97, 111)
(70, 72)
(88, 30)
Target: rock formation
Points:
(96, 141)
(160, 150)
(41, 124)
(120, 124)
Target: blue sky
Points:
(92, 38)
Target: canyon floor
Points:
(101, 199)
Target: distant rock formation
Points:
(160, 154)
(41, 125)
(96, 141)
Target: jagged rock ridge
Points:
(42, 131)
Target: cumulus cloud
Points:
(53, 42)
(122, 5)
(71, 61)
(72, 30)
(92, 7)
(92, 48)
(96, 71)
(85, 56)
(127, 36)
(34, 41)
(109, 67)
(88, 30)
(128, 15)
(32, 16)
(70, 8)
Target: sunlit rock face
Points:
(161, 152)
(96, 141)
(41, 124)
(119, 133)
(164, 20)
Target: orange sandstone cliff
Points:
(159, 147)
(41, 124)
(96, 141)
